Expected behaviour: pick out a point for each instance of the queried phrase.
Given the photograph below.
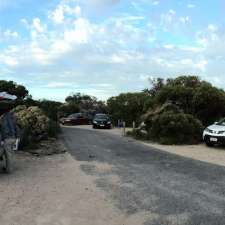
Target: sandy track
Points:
(214, 155)
(54, 191)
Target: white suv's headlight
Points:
(208, 130)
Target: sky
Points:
(105, 47)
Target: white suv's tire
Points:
(209, 144)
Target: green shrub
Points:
(32, 118)
(53, 128)
(34, 125)
(175, 128)
(128, 107)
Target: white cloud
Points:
(185, 19)
(9, 33)
(77, 10)
(120, 52)
(168, 18)
(145, 77)
(156, 3)
(212, 27)
(169, 46)
(202, 65)
(80, 33)
(171, 11)
(59, 85)
(191, 6)
(57, 15)
(8, 60)
(37, 25)
(102, 3)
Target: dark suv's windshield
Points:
(101, 117)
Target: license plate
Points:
(213, 139)
(101, 125)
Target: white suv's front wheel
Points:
(209, 143)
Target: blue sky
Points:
(105, 47)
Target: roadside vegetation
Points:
(171, 111)
(38, 120)
(174, 111)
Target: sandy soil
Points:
(53, 190)
(215, 155)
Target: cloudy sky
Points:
(104, 47)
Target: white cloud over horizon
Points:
(69, 50)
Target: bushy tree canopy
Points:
(193, 96)
(50, 108)
(13, 88)
(128, 107)
(208, 103)
(82, 103)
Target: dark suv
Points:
(102, 121)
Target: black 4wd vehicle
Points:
(102, 121)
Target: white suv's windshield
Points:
(221, 122)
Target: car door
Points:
(80, 120)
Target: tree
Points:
(185, 81)
(209, 103)
(128, 107)
(157, 84)
(13, 88)
(194, 96)
(67, 109)
(50, 108)
(84, 103)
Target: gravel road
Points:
(165, 189)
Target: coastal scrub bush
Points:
(175, 128)
(34, 125)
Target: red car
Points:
(75, 119)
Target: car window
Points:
(72, 116)
(101, 116)
(221, 122)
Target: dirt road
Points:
(54, 191)
(167, 188)
(111, 180)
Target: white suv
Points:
(215, 134)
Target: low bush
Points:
(175, 128)
(34, 125)
(53, 128)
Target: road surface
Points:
(166, 189)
